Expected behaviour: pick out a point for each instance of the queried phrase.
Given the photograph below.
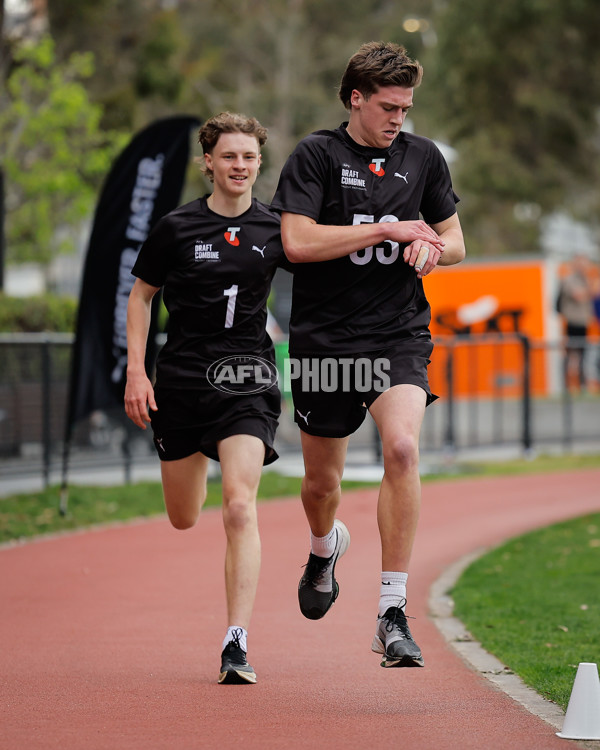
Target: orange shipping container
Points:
(488, 298)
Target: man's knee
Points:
(184, 515)
(239, 512)
(401, 454)
(182, 520)
(320, 485)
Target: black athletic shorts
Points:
(332, 394)
(190, 421)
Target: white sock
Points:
(393, 590)
(234, 631)
(323, 546)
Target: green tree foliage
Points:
(53, 151)
(516, 88)
(139, 50)
(279, 60)
(37, 314)
(156, 75)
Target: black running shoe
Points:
(393, 639)
(318, 588)
(235, 670)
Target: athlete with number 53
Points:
(215, 259)
(367, 212)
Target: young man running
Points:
(352, 201)
(214, 258)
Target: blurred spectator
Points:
(596, 306)
(576, 308)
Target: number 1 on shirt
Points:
(232, 294)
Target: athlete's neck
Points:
(231, 207)
(355, 137)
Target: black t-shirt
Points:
(216, 275)
(370, 299)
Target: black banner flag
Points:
(145, 183)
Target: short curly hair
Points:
(228, 122)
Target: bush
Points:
(47, 312)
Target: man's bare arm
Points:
(305, 241)
(453, 251)
(139, 393)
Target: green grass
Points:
(31, 514)
(541, 464)
(534, 604)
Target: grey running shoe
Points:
(318, 588)
(235, 670)
(393, 639)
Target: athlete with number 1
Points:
(367, 212)
(215, 259)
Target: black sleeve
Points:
(439, 199)
(286, 264)
(156, 255)
(302, 181)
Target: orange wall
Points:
(513, 293)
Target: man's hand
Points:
(413, 231)
(423, 256)
(139, 395)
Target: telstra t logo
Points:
(376, 166)
(230, 235)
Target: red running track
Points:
(110, 639)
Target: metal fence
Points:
(497, 391)
(509, 390)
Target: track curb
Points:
(440, 610)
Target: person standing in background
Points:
(596, 307)
(576, 309)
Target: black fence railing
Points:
(507, 389)
(495, 390)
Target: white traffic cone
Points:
(582, 720)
